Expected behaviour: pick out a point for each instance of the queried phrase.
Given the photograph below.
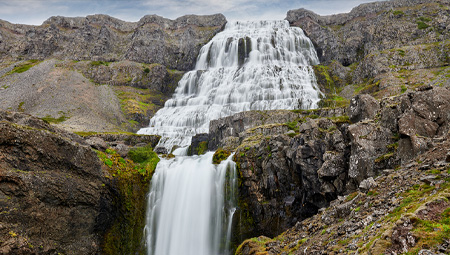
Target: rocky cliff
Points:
(293, 163)
(384, 47)
(98, 73)
(58, 197)
(153, 39)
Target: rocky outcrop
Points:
(287, 177)
(230, 131)
(363, 107)
(285, 180)
(389, 216)
(373, 27)
(53, 193)
(381, 44)
(56, 196)
(153, 39)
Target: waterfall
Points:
(249, 66)
(262, 65)
(191, 204)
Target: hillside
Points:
(98, 73)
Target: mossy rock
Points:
(220, 155)
(131, 179)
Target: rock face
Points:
(153, 39)
(286, 177)
(52, 192)
(373, 27)
(363, 107)
(55, 195)
(379, 219)
(379, 38)
(230, 131)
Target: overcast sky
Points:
(35, 12)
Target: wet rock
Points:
(199, 144)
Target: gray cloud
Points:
(36, 11)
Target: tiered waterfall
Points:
(249, 66)
(262, 65)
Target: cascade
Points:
(262, 65)
(191, 205)
(258, 65)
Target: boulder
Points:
(363, 107)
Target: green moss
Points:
(384, 157)
(424, 19)
(99, 63)
(392, 147)
(340, 119)
(293, 125)
(50, 119)
(20, 108)
(202, 148)
(422, 25)
(398, 13)
(220, 155)
(24, 66)
(332, 100)
(145, 156)
(403, 89)
(132, 181)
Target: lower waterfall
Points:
(263, 65)
(191, 205)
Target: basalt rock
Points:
(56, 196)
(284, 180)
(53, 194)
(287, 178)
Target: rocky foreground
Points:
(60, 196)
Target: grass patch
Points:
(20, 107)
(99, 63)
(403, 89)
(422, 25)
(333, 101)
(23, 67)
(340, 119)
(50, 119)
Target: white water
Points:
(263, 65)
(249, 66)
(190, 207)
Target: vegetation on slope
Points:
(132, 177)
